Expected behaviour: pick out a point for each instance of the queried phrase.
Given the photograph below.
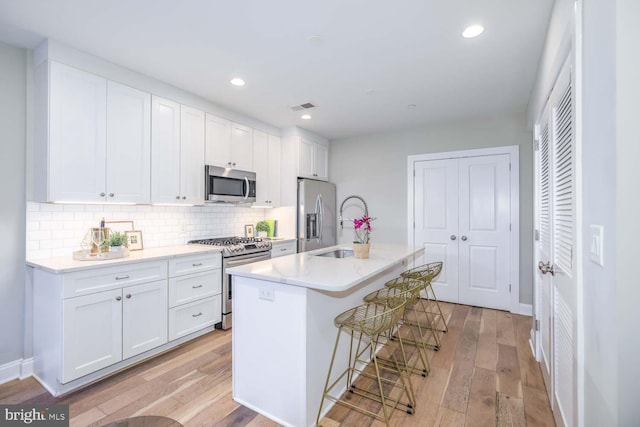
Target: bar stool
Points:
(372, 326)
(408, 289)
(433, 319)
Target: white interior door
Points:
(462, 209)
(436, 221)
(556, 249)
(483, 229)
(544, 253)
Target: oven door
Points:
(227, 285)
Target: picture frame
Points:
(134, 238)
(248, 231)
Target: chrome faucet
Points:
(366, 209)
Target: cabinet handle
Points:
(229, 163)
(101, 194)
(184, 197)
(196, 287)
(111, 194)
(283, 249)
(234, 164)
(178, 197)
(453, 237)
(118, 298)
(197, 315)
(122, 277)
(463, 238)
(128, 296)
(197, 265)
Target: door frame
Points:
(514, 254)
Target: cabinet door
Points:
(91, 333)
(241, 147)
(77, 135)
(165, 151)
(192, 156)
(305, 158)
(320, 161)
(128, 144)
(218, 141)
(144, 317)
(261, 167)
(274, 170)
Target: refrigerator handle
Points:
(321, 224)
(318, 212)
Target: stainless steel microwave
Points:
(229, 185)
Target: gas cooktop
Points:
(234, 246)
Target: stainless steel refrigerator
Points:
(317, 222)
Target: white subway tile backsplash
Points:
(57, 230)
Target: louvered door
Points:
(556, 279)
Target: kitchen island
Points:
(283, 331)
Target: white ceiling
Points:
(407, 51)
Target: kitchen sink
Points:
(337, 253)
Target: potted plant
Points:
(117, 241)
(262, 227)
(363, 229)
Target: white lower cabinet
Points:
(279, 249)
(92, 322)
(104, 328)
(195, 288)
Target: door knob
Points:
(453, 237)
(463, 238)
(546, 268)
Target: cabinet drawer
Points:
(194, 264)
(189, 318)
(184, 289)
(105, 278)
(282, 249)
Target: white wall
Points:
(599, 207)
(57, 230)
(628, 209)
(12, 193)
(375, 167)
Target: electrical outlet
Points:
(596, 245)
(267, 294)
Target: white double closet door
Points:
(462, 210)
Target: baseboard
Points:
(526, 309)
(18, 369)
(26, 368)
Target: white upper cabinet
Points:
(312, 159)
(70, 135)
(177, 153)
(128, 144)
(192, 156)
(241, 147)
(267, 164)
(228, 144)
(165, 151)
(92, 138)
(218, 141)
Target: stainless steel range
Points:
(235, 251)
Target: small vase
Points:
(361, 250)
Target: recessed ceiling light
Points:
(237, 81)
(472, 31)
(305, 117)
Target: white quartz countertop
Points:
(325, 273)
(66, 264)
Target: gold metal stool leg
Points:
(371, 325)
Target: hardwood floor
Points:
(484, 375)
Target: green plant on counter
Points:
(118, 239)
(262, 226)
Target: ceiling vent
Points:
(301, 107)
